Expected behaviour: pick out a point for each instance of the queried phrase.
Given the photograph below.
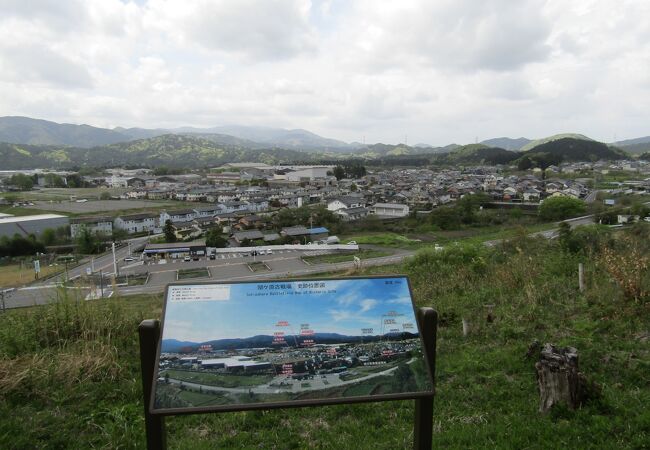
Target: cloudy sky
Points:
(431, 71)
(341, 306)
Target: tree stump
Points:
(558, 378)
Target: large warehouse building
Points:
(25, 225)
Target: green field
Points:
(387, 239)
(258, 266)
(218, 379)
(70, 374)
(336, 258)
(199, 272)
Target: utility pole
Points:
(92, 264)
(101, 282)
(114, 260)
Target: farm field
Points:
(12, 275)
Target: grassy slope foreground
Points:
(69, 375)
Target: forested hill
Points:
(477, 154)
(574, 149)
(188, 151)
(167, 150)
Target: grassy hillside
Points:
(69, 375)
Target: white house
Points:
(180, 215)
(351, 214)
(96, 225)
(390, 210)
(345, 203)
(136, 223)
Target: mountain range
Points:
(27, 143)
(25, 130)
(262, 340)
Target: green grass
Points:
(70, 376)
(201, 399)
(336, 258)
(383, 239)
(218, 379)
(199, 272)
(21, 211)
(258, 266)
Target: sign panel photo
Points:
(254, 345)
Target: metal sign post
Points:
(37, 268)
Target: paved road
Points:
(553, 233)
(315, 384)
(281, 265)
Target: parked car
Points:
(269, 252)
(195, 257)
(213, 256)
(129, 259)
(352, 243)
(187, 259)
(162, 261)
(262, 252)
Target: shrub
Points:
(558, 208)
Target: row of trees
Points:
(25, 182)
(19, 245)
(468, 211)
(353, 170)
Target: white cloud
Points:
(438, 71)
(367, 305)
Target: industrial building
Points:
(176, 249)
(26, 225)
(236, 364)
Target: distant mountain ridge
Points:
(263, 340)
(24, 145)
(24, 130)
(507, 143)
(28, 131)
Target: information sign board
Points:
(254, 345)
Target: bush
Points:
(559, 208)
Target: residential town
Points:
(241, 198)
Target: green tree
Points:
(48, 236)
(169, 231)
(87, 241)
(21, 181)
(445, 218)
(558, 208)
(105, 196)
(468, 205)
(54, 180)
(214, 238)
(75, 181)
(525, 163)
(339, 172)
